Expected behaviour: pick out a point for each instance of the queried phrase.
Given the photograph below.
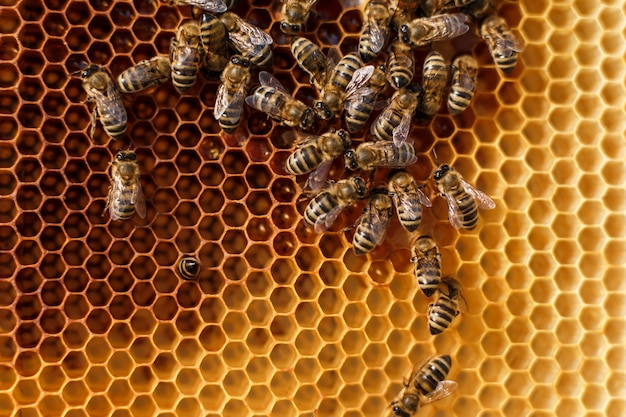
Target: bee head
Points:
(361, 187)
(240, 60)
(441, 172)
(322, 111)
(126, 156)
(308, 118)
(90, 70)
(397, 411)
(290, 28)
(405, 34)
(350, 160)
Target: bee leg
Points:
(94, 118)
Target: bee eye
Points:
(295, 28)
(284, 26)
(132, 156)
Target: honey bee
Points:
(427, 264)
(502, 43)
(432, 7)
(295, 15)
(370, 155)
(316, 153)
(327, 205)
(464, 73)
(213, 38)
(394, 122)
(426, 384)
(188, 267)
(272, 98)
(434, 83)
(145, 74)
(249, 40)
(376, 19)
(477, 9)
(357, 112)
(403, 11)
(424, 30)
(109, 106)
(373, 223)
(346, 82)
(125, 193)
(448, 304)
(463, 198)
(400, 64)
(213, 6)
(185, 51)
(408, 198)
(311, 59)
(231, 93)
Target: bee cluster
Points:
(350, 90)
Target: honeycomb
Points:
(282, 321)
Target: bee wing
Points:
(482, 199)
(409, 201)
(359, 81)
(465, 80)
(221, 101)
(325, 221)
(256, 35)
(111, 105)
(268, 80)
(454, 214)
(114, 193)
(304, 140)
(377, 36)
(508, 43)
(309, 3)
(317, 178)
(184, 55)
(423, 198)
(214, 6)
(378, 226)
(443, 390)
(139, 200)
(401, 132)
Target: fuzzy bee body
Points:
(327, 205)
(272, 98)
(231, 93)
(185, 55)
(357, 112)
(376, 19)
(408, 199)
(125, 193)
(314, 150)
(370, 155)
(400, 64)
(188, 268)
(502, 43)
(394, 122)
(311, 59)
(448, 304)
(427, 383)
(463, 85)
(463, 198)
(295, 14)
(145, 74)
(427, 264)
(425, 30)
(434, 83)
(109, 106)
(373, 223)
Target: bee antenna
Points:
(435, 156)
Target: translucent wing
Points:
(268, 80)
(464, 79)
(317, 178)
(304, 140)
(401, 132)
(482, 199)
(378, 226)
(255, 34)
(409, 202)
(508, 43)
(221, 101)
(423, 198)
(359, 82)
(443, 390)
(377, 36)
(139, 200)
(309, 3)
(454, 214)
(214, 6)
(325, 221)
(184, 55)
(111, 105)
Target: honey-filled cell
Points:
(283, 318)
